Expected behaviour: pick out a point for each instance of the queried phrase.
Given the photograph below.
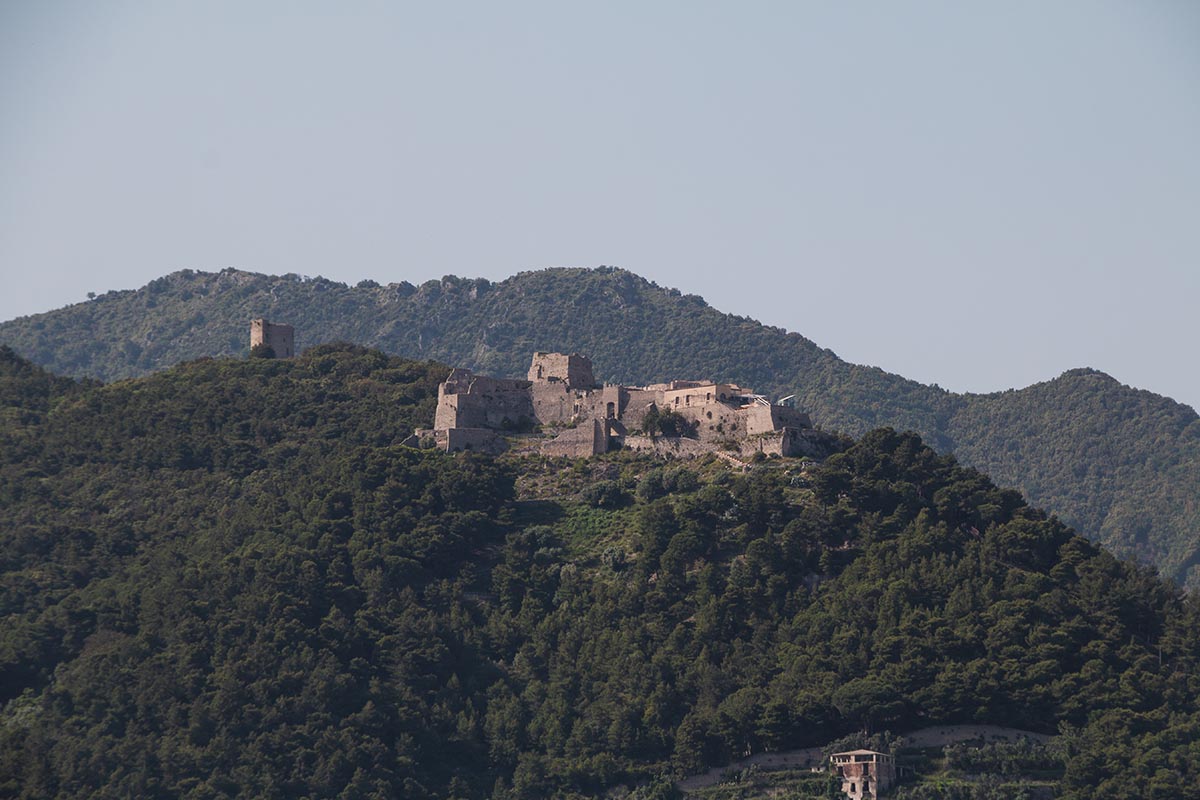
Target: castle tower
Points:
(574, 370)
(280, 338)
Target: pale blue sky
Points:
(980, 195)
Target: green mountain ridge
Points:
(1120, 464)
(227, 579)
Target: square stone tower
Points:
(280, 338)
(865, 774)
(574, 370)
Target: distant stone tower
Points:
(865, 774)
(574, 370)
(280, 338)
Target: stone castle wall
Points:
(466, 400)
(477, 439)
(680, 448)
(589, 439)
(763, 419)
(554, 403)
(452, 440)
(637, 403)
(699, 393)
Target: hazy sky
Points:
(976, 194)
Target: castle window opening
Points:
(612, 411)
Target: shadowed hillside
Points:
(1120, 464)
(228, 579)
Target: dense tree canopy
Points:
(229, 579)
(1121, 466)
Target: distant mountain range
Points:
(1120, 464)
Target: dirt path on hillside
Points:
(942, 735)
(789, 759)
(936, 736)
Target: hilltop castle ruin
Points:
(280, 338)
(561, 395)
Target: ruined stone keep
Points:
(561, 397)
(280, 338)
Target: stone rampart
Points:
(589, 439)
(452, 440)
(680, 448)
(637, 403)
(466, 400)
(479, 440)
(553, 403)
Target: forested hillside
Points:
(1121, 465)
(227, 579)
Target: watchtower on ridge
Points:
(280, 338)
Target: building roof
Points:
(859, 753)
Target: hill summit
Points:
(1120, 464)
(230, 579)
